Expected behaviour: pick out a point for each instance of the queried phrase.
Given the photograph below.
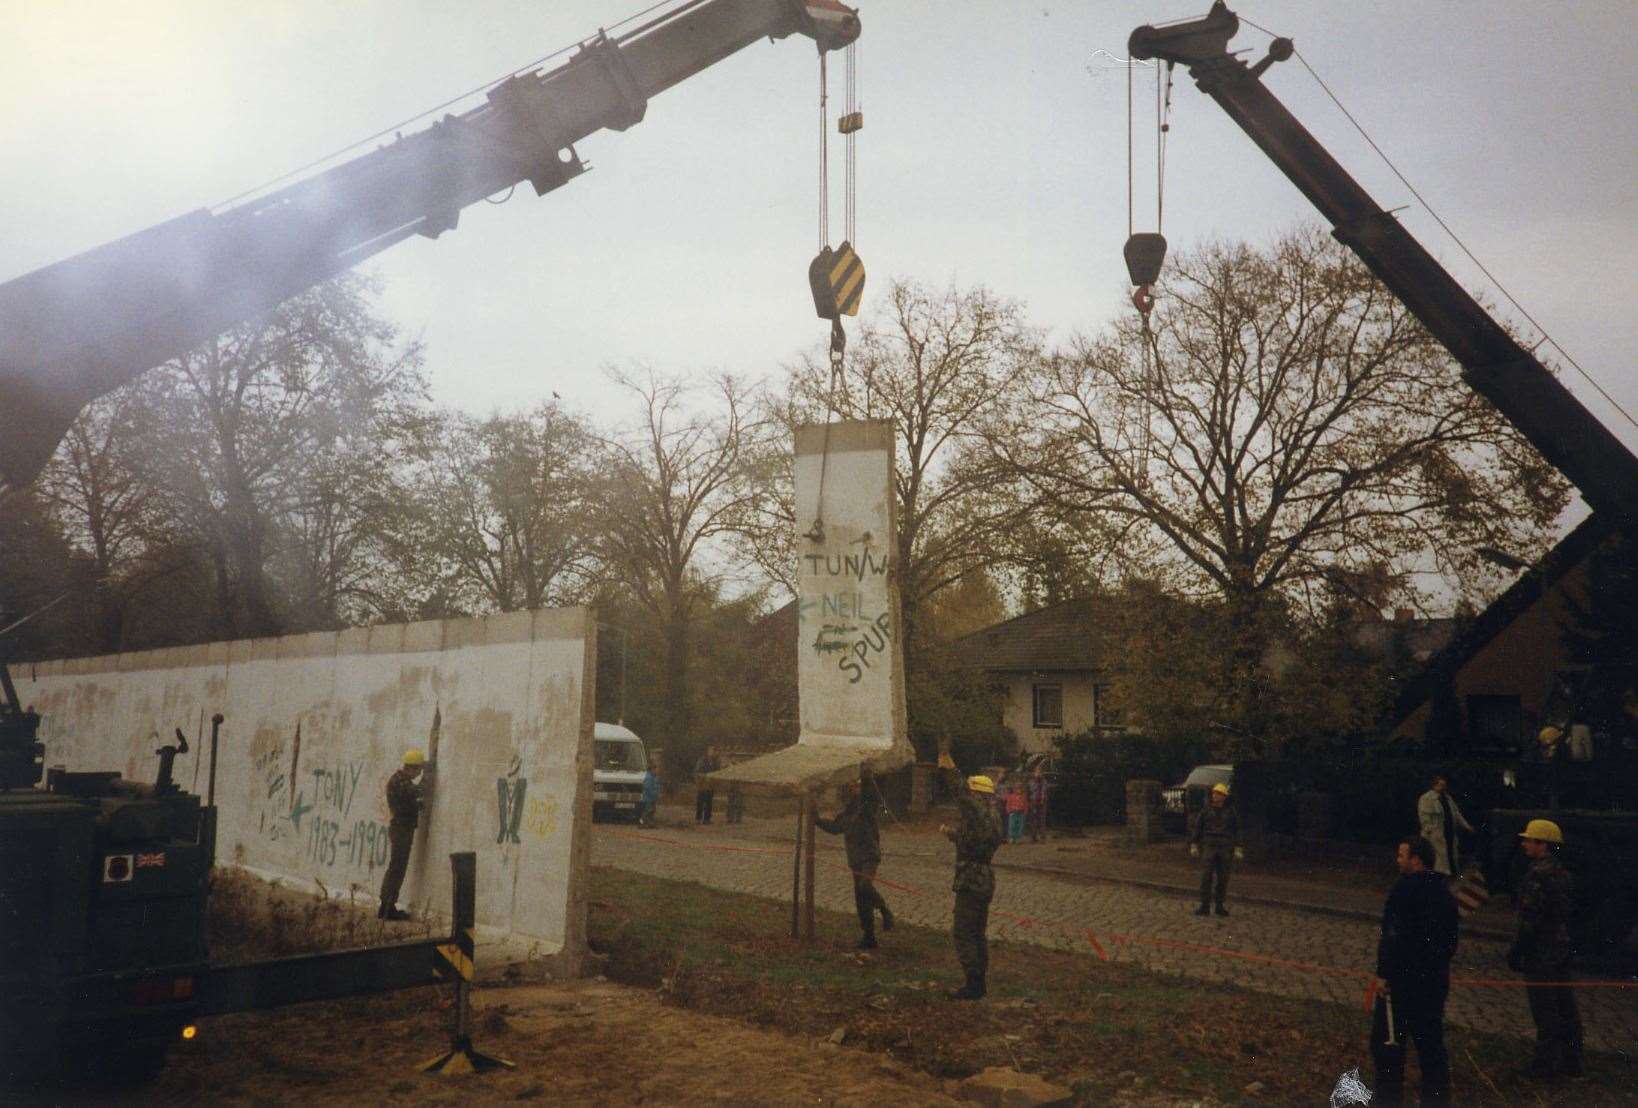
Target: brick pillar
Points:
(1143, 812)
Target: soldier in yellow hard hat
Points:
(1542, 953)
(1216, 834)
(404, 798)
(976, 838)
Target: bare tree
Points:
(1287, 424)
(943, 366)
(509, 500)
(107, 507)
(675, 483)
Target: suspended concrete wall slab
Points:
(850, 660)
(316, 723)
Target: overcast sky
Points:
(994, 152)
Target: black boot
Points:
(972, 990)
(868, 942)
(1222, 911)
(1202, 911)
(887, 918)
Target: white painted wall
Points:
(850, 662)
(512, 696)
(1018, 712)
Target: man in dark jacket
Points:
(1216, 835)
(404, 804)
(860, 828)
(1413, 977)
(976, 838)
(1542, 953)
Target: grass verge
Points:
(1106, 1029)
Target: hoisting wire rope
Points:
(418, 116)
(1163, 125)
(850, 176)
(851, 271)
(824, 157)
(1437, 218)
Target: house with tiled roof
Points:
(1057, 667)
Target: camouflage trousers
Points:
(972, 920)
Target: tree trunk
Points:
(676, 680)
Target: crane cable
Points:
(1454, 237)
(849, 125)
(1142, 297)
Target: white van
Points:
(618, 764)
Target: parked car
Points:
(618, 765)
(1180, 802)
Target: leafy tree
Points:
(267, 425)
(1286, 418)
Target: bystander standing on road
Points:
(1413, 978)
(859, 825)
(705, 795)
(976, 837)
(998, 801)
(1017, 804)
(404, 797)
(650, 799)
(1542, 953)
(1216, 835)
(1439, 820)
(1037, 805)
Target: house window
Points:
(1049, 705)
(1106, 712)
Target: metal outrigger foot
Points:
(463, 1059)
(456, 960)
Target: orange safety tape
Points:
(1078, 931)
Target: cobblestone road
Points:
(748, 859)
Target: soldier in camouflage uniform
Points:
(1542, 953)
(404, 802)
(976, 838)
(1216, 834)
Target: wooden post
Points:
(796, 876)
(811, 806)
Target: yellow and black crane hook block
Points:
(837, 278)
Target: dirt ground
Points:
(582, 1042)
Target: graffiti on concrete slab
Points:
(509, 791)
(863, 652)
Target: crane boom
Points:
(75, 330)
(1545, 412)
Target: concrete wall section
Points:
(315, 725)
(850, 670)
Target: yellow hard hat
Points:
(1550, 735)
(981, 784)
(1543, 830)
(1220, 788)
(413, 757)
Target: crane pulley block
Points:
(837, 278)
(1145, 252)
(852, 121)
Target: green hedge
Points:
(1092, 771)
